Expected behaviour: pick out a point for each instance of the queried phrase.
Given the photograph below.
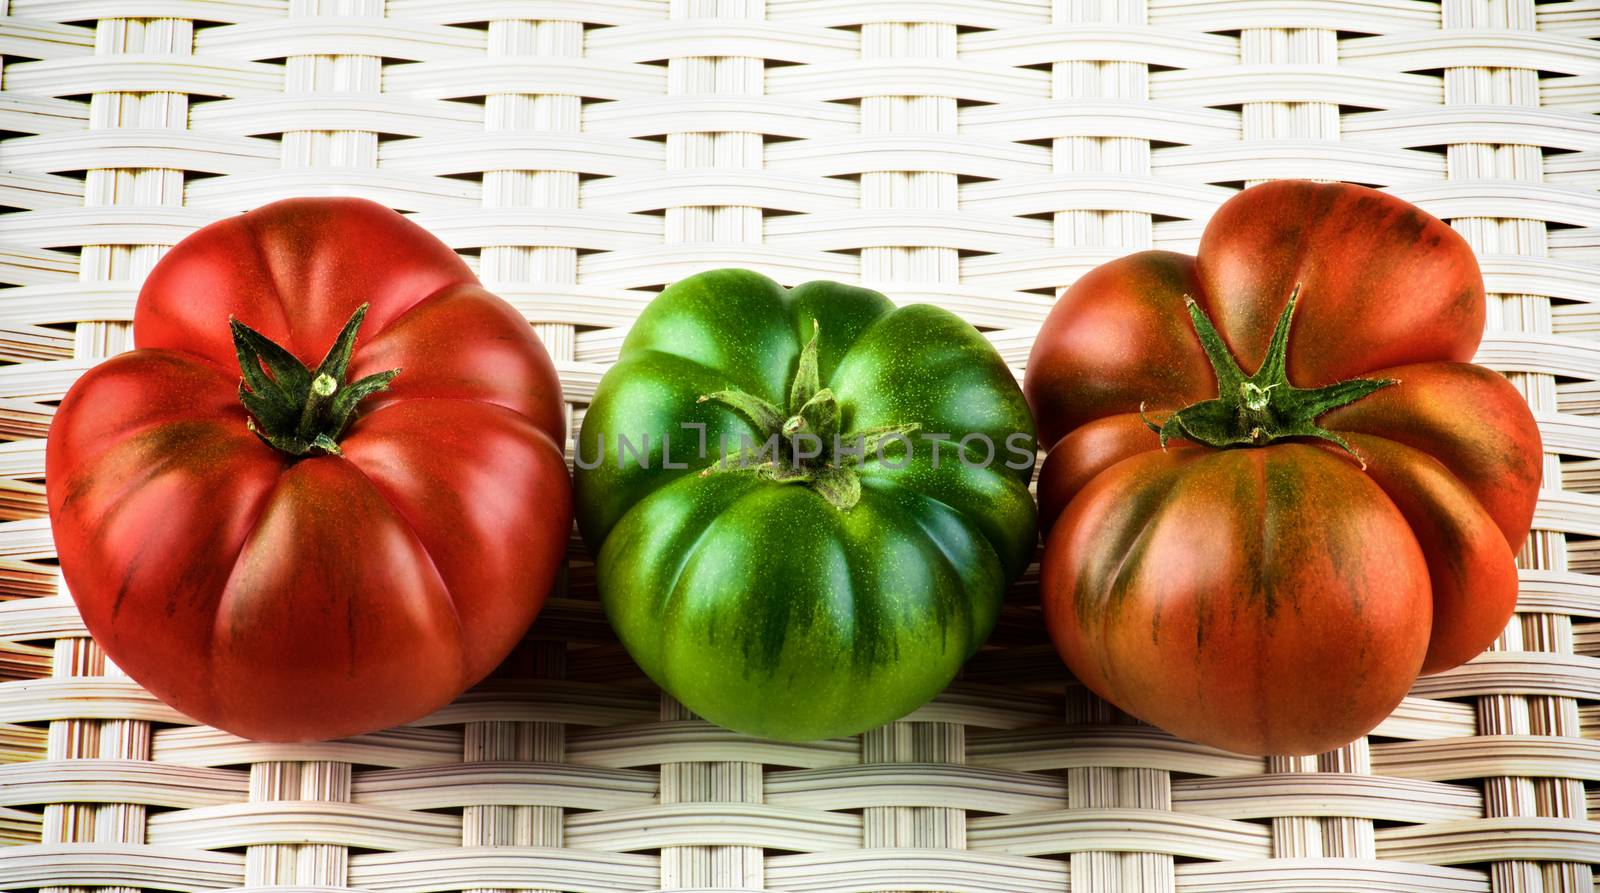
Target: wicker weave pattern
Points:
(975, 154)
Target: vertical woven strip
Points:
(275, 864)
(1118, 231)
(1286, 123)
(65, 657)
(898, 267)
(1518, 714)
(116, 739)
(689, 150)
(1125, 159)
(503, 741)
(298, 865)
(521, 269)
(25, 661)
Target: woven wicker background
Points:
(582, 153)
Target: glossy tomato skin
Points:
(287, 598)
(1247, 583)
(758, 604)
(1386, 292)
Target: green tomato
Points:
(785, 594)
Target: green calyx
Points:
(298, 410)
(1255, 410)
(808, 447)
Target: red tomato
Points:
(350, 581)
(1316, 532)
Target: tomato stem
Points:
(1255, 410)
(813, 412)
(295, 409)
(806, 381)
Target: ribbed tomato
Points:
(810, 593)
(1266, 561)
(330, 547)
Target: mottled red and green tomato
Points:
(803, 596)
(1316, 532)
(362, 529)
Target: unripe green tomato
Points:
(787, 595)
